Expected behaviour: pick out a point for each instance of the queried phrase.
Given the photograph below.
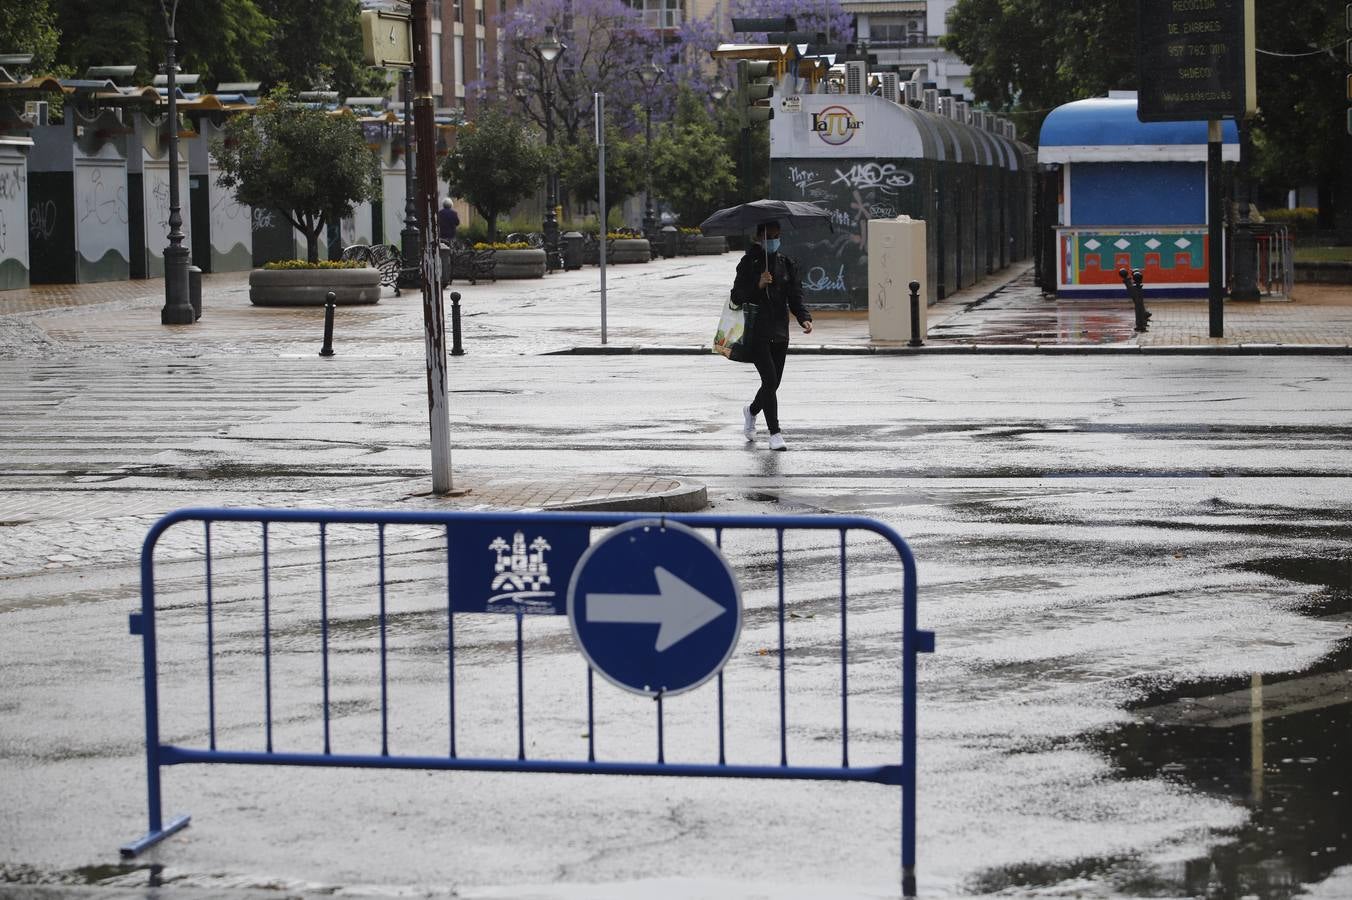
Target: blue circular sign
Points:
(655, 608)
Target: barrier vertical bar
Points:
(783, 714)
(661, 750)
(384, 663)
(450, 644)
(722, 755)
(908, 722)
(324, 626)
(267, 640)
(844, 664)
(591, 719)
(520, 695)
(211, 647)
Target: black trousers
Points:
(769, 361)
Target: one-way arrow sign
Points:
(654, 608)
(677, 608)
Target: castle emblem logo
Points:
(521, 575)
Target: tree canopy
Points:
(313, 166)
(691, 169)
(1030, 56)
(497, 162)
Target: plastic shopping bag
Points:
(733, 325)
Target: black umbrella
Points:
(746, 216)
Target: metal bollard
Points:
(195, 291)
(330, 301)
(915, 340)
(456, 349)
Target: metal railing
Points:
(292, 575)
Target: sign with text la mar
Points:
(1195, 60)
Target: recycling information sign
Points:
(1195, 60)
(655, 608)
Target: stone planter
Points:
(629, 250)
(309, 287)
(710, 245)
(519, 263)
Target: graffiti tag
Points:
(882, 176)
(103, 209)
(11, 183)
(263, 219)
(42, 220)
(803, 179)
(819, 280)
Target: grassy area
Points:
(1323, 254)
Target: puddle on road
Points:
(1290, 769)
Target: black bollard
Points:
(456, 349)
(330, 300)
(915, 340)
(1132, 282)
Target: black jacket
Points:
(784, 294)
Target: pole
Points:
(601, 183)
(1215, 232)
(457, 349)
(1244, 258)
(409, 237)
(915, 340)
(551, 183)
(648, 224)
(177, 309)
(434, 309)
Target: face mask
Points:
(772, 245)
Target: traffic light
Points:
(755, 87)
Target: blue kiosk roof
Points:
(1105, 129)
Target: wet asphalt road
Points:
(1106, 546)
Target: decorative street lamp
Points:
(548, 52)
(649, 75)
(719, 91)
(177, 309)
(410, 239)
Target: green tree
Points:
(578, 171)
(221, 40)
(1030, 56)
(30, 28)
(497, 162)
(312, 165)
(691, 167)
(319, 40)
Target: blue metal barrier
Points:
(569, 539)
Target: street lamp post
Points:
(649, 75)
(177, 309)
(410, 238)
(548, 52)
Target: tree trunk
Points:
(492, 228)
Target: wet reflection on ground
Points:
(1012, 315)
(1276, 743)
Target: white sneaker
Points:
(777, 442)
(748, 423)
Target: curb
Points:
(688, 497)
(994, 350)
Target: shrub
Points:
(322, 264)
(502, 245)
(1302, 218)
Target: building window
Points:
(896, 31)
(479, 56)
(459, 61)
(660, 13)
(459, 7)
(479, 14)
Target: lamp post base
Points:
(410, 242)
(1245, 285)
(177, 309)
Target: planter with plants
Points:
(295, 282)
(517, 259)
(626, 248)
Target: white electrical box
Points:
(896, 257)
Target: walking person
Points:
(769, 279)
(448, 221)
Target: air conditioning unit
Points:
(931, 100)
(890, 85)
(960, 112)
(945, 108)
(856, 77)
(36, 113)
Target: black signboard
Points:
(1193, 59)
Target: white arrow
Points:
(679, 609)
